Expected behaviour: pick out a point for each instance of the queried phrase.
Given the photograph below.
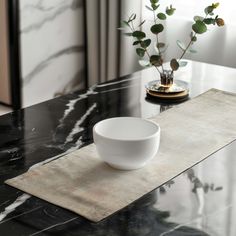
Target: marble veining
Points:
(51, 53)
(77, 128)
(200, 201)
(44, 64)
(20, 200)
(53, 226)
(52, 10)
(71, 103)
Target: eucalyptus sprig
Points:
(142, 42)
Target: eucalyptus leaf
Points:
(170, 10)
(154, 1)
(209, 21)
(132, 17)
(194, 38)
(128, 34)
(181, 45)
(144, 63)
(140, 52)
(156, 60)
(192, 50)
(125, 23)
(161, 45)
(209, 10)
(196, 18)
(141, 23)
(154, 6)
(161, 16)
(157, 28)
(149, 8)
(145, 43)
(162, 50)
(136, 42)
(199, 27)
(139, 34)
(174, 64)
(183, 63)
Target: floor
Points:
(4, 110)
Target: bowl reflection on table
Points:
(126, 143)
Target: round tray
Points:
(170, 96)
(178, 91)
(177, 87)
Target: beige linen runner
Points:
(84, 184)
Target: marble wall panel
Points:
(52, 48)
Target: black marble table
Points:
(200, 201)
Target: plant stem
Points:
(158, 48)
(189, 44)
(186, 49)
(149, 60)
(146, 51)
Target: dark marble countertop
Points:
(200, 201)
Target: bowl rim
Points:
(128, 140)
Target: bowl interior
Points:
(126, 128)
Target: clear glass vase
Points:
(167, 78)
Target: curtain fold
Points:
(109, 54)
(103, 19)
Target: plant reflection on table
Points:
(143, 218)
(197, 183)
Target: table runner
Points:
(82, 183)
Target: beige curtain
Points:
(109, 54)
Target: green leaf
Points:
(183, 63)
(199, 27)
(157, 28)
(194, 38)
(170, 10)
(181, 45)
(149, 8)
(209, 10)
(154, 1)
(125, 23)
(145, 43)
(156, 60)
(140, 52)
(209, 21)
(144, 63)
(161, 16)
(161, 45)
(192, 50)
(128, 34)
(162, 50)
(154, 6)
(139, 34)
(136, 42)
(132, 17)
(174, 64)
(196, 18)
(141, 23)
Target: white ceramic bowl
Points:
(126, 143)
